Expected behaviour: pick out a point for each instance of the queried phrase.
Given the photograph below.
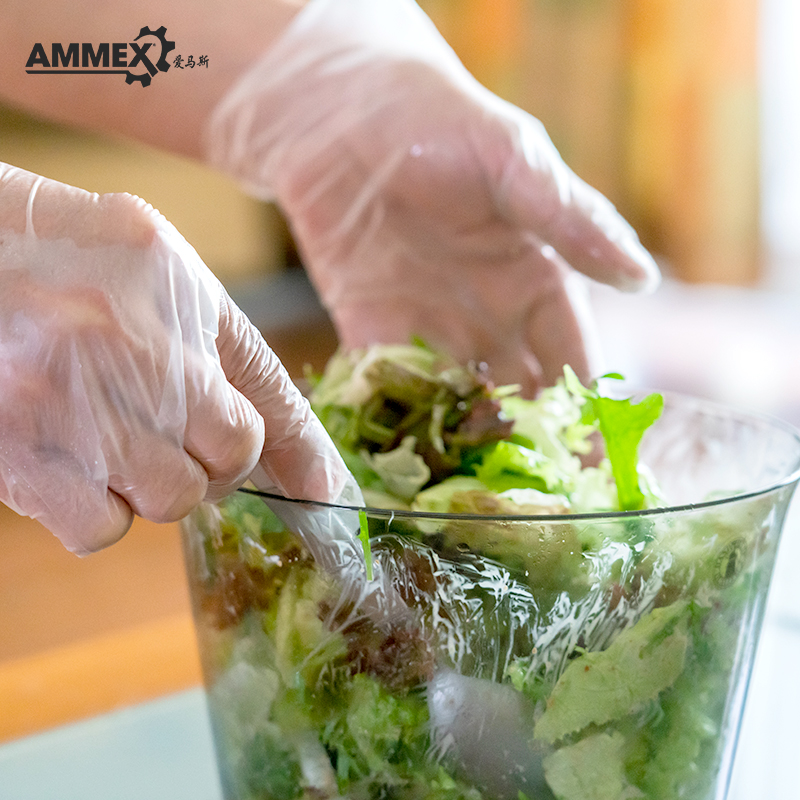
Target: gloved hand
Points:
(129, 381)
(422, 203)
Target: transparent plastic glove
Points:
(329, 532)
(129, 381)
(422, 203)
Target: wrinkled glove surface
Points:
(129, 381)
(422, 203)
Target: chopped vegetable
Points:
(363, 535)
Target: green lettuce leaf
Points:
(591, 769)
(270, 768)
(552, 424)
(371, 733)
(302, 643)
(601, 686)
(437, 498)
(512, 466)
(622, 424)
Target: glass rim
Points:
(585, 516)
(792, 477)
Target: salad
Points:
(512, 630)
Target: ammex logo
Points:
(139, 61)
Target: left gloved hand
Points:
(422, 203)
(129, 380)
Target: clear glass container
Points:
(578, 657)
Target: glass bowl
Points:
(579, 657)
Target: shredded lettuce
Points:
(270, 767)
(437, 499)
(378, 728)
(407, 418)
(402, 471)
(372, 400)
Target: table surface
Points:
(160, 750)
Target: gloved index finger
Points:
(539, 192)
(299, 458)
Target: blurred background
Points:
(685, 113)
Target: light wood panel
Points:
(82, 636)
(96, 675)
(49, 597)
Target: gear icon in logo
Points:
(162, 65)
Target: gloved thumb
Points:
(299, 458)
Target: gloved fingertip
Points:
(645, 275)
(96, 530)
(328, 474)
(261, 480)
(217, 492)
(227, 440)
(172, 503)
(322, 480)
(327, 480)
(350, 494)
(307, 470)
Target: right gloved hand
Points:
(129, 381)
(422, 203)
